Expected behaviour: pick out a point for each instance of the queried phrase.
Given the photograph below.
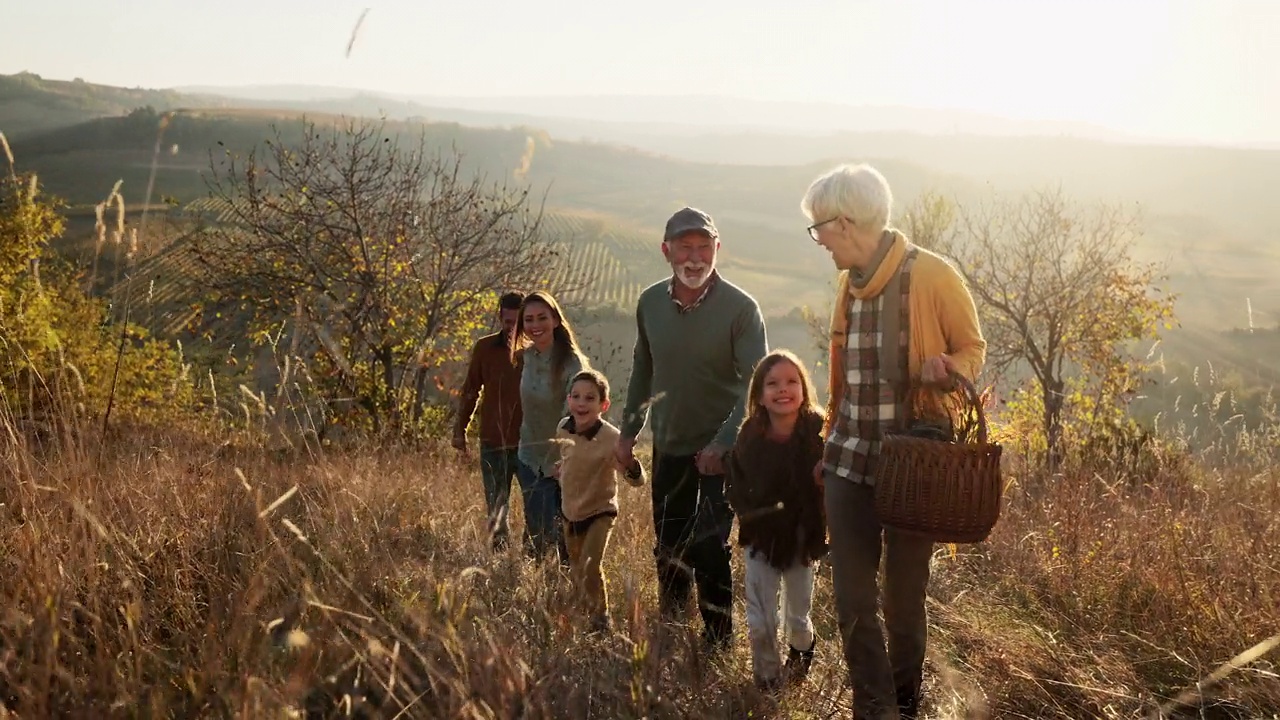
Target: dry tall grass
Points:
(179, 575)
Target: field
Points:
(599, 263)
(1214, 243)
(221, 562)
(187, 573)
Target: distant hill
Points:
(689, 114)
(1207, 209)
(628, 193)
(31, 104)
(756, 207)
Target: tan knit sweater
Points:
(588, 471)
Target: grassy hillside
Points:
(183, 574)
(228, 562)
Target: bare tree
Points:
(1059, 295)
(929, 220)
(388, 256)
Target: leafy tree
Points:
(383, 257)
(27, 223)
(58, 349)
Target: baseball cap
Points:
(687, 220)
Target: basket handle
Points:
(971, 396)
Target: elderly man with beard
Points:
(698, 339)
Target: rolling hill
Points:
(33, 104)
(1206, 213)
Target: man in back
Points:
(492, 372)
(698, 340)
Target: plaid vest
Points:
(870, 405)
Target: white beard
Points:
(694, 283)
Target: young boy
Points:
(588, 473)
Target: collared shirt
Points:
(706, 289)
(589, 474)
(571, 427)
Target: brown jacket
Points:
(500, 414)
(771, 489)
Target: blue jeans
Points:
(542, 514)
(497, 467)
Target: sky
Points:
(1199, 70)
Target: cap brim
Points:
(709, 232)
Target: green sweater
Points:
(695, 366)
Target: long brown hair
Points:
(563, 342)
(756, 412)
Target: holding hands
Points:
(710, 460)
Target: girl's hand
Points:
(817, 474)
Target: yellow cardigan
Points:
(943, 319)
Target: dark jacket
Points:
(771, 489)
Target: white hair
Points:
(858, 192)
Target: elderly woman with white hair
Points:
(904, 322)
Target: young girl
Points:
(771, 487)
(588, 474)
(551, 357)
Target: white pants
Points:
(763, 583)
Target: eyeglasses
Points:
(813, 229)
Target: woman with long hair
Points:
(551, 360)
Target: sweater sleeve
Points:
(640, 386)
(563, 444)
(573, 365)
(958, 317)
(734, 491)
(750, 344)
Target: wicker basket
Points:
(948, 492)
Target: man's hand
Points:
(624, 452)
(936, 371)
(460, 444)
(817, 474)
(711, 460)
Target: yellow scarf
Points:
(849, 288)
